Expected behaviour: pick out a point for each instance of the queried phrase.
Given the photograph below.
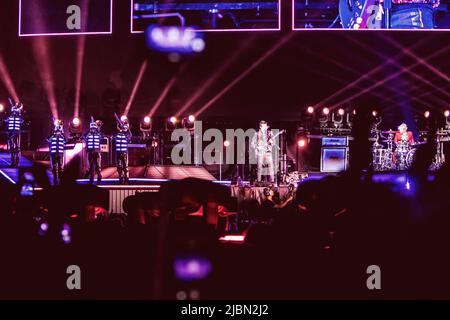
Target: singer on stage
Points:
(262, 143)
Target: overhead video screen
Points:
(207, 15)
(371, 14)
(64, 17)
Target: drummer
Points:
(403, 135)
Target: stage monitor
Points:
(404, 15)
(333, 159)
(64, 17)
(207, 15)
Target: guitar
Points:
(361, 14)
(261, 148)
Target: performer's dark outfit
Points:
(93, 140)
(13, 125)
(413, 14)
(121, 141)
(57, 142)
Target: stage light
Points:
(374, 113)
(301, 142)
(173, 35)
(146, 127)
(426, 114)
(123, 118)
(446, 113)
(354, 111)
(157, 34)
(81, 44)
(43, 62)
(310, 110)
(136, 86)
(226, 143)
(188, 122)
(57, 122)
(173, 120)
(5, 78)
(2, 107)
(75, 129)
(198, 45)
(172, 123)
(326, 111)
(338, 119)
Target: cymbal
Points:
(387, 140)
(389, 132)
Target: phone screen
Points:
(27, 185)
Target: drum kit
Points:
(388, 155)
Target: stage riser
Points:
(116, 197)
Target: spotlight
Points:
(341, 112)
(76, 122)
(324, 119)
(310, 110)
(146, 127)
(75, 129)
(157, 34)
(2, 107)
(301, 142)
(226, 143)
(173, 120)
(426, 114)
(123, 118)
(172, 123)
(354, 111)
(198, 45)
(374, 113)
(446, 113)
(188, 122)
(173, 35)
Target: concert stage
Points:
(149, 179)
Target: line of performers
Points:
(57, 143)
(93, 139)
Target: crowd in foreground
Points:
(316, 243)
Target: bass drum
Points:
(410, 157)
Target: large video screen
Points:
(207, 15)
(65, 17)
(371, 14)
